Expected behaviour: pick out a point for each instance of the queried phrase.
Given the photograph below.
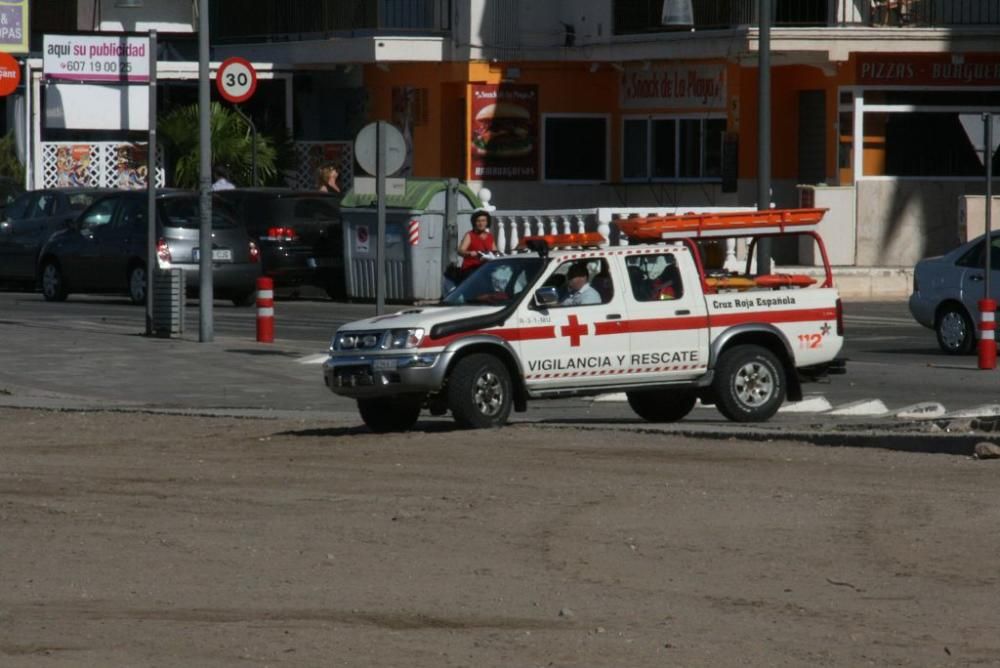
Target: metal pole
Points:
(253, 143)
(764, 128)
(988, 159)
(151, 237)
(380, 159)
(205, 296)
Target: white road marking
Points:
(867, 407)
(318, 358)
(813, 404)
(618, 396)
(878, 320)
(986, 410)
(926, 410)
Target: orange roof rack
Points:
(586, 239)
(721, 224)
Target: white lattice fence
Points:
(311, 155)
(97, 165)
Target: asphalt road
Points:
(891, 358)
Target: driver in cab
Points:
(578, 289)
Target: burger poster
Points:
(503, 132)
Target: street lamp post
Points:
(205, 296)
(764, 128)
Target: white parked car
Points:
(947, 289)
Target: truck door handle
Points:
(682, 311)
(976, 277)
(614, 316)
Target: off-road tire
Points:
(662, 405)
(955, 332)
(53, 282)
(387, 414)
(480, 392)
(749, 384)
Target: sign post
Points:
(987, 306)
(380, 149)
(151, 259)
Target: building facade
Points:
(572, 103)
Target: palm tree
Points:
(232, 147)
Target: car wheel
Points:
(137, 284)
(661, 405)
(53, 283)
(335, 290)
(479, 392)
(390, 413)
(749, 384)
(955, 333)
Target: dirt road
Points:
(139, 540)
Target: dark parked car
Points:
(299, 234)
(104, 250)
(29, 220)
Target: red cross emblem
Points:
(574, 330)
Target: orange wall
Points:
(786, 83)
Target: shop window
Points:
(576, 148)
(930, 144)
(674, 148)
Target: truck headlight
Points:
(405, 338)
(344, 341)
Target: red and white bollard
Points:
(987, 334)
(265, 310)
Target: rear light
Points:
(280, 234)
(163, 251)
(254, 252)
(840, 318)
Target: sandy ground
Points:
(139, 540)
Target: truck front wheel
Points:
(749, 384)
(661, 405)
(390, 413)
(479, 392)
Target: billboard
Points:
(503, 132)
(14, 26)
(106, 58)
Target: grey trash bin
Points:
(421, 238)
(169, 297)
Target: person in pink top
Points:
(475, 242)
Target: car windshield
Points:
(304, 209)
(497, 283)
(80, 201)
(184, 212)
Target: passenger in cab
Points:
(578, 289)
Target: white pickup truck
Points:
(571, 316)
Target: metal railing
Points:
(268, 21)
(640, 16)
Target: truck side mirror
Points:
(546, 297)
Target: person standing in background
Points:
(476, 241)
(326, 179)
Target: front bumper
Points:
(385, 374)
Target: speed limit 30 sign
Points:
(236, 80)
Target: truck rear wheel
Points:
(661, 405)
(390, 413)
(479, 392)
(749, 384)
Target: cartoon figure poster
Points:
(131, 166)
(73, 166)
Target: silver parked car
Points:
(947, 289)
(104, 250)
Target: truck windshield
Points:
(498, 282)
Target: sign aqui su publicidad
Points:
(107, 59)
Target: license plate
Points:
(218, 254)
(384, 365)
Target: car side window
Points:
(133, 216)
(582, 282)
(99, 215)
(654, 277)
(975, 259)
(45, 206)
(20, 207)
